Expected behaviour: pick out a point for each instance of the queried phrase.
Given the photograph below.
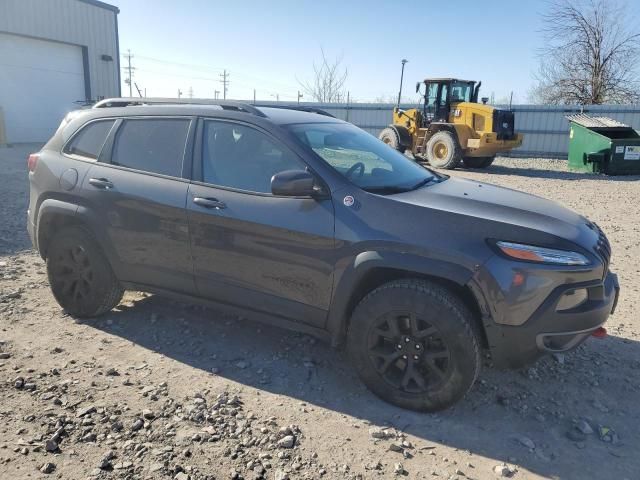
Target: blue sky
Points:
(269, 45)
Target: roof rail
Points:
(133, 101)
(302, 108)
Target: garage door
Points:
(40, 82)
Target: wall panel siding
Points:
(74, 22)
(545, 128)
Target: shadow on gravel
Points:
(554, 174)
(503, 413)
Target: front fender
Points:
(355, 270)
(406, 140)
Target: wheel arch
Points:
(373, 269)
(55, 214)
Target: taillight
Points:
(32, 161)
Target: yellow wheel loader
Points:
(451, 126)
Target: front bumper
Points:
(552, 331)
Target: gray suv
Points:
(307, 222)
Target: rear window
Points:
(89, 140)
(152, 145)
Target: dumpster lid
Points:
(595, 122)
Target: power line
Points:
(210, 68)
(212, 79)
(189, 65)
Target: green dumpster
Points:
(603, 145)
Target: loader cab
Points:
(441, 93)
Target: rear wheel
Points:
(478, 162)
(413, 345)
(80, 276)
(391, 138)
(443, 150)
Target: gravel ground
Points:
(159, 389)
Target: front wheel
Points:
(443, 150)
(391, 138)
(478, 162)
(413, 344)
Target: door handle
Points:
(209, 202)
(101, 183)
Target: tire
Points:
(391, 138)
(443, 151)
(80, 275)
(478, 162)
(437, 322)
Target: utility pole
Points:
(404, 61)
(299, 97)
(190, 92)
(225, 83)
(348, 100)
(130, 69)
(254, 96)
(138, 89)
(179, 93)
(216, 93)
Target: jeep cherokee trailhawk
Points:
(299, 219)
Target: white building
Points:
(55, 56)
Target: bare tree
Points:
(591, 54)
(329, 78)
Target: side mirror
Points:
(293, 183)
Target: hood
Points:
(503, 205)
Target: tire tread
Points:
(114, 291)
(442, 295)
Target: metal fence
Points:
(545, 128)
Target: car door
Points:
(138, 195)
(250, 248)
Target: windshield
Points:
(461, 92)
(362, 158)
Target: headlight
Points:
(532, 253)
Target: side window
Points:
(152, 145)
(89, 140)
(242, 157)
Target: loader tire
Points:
(391, 138)
(443, 151)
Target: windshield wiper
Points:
(391, 189)
(421, 183)
(385, 189)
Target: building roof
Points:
(99, 4)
